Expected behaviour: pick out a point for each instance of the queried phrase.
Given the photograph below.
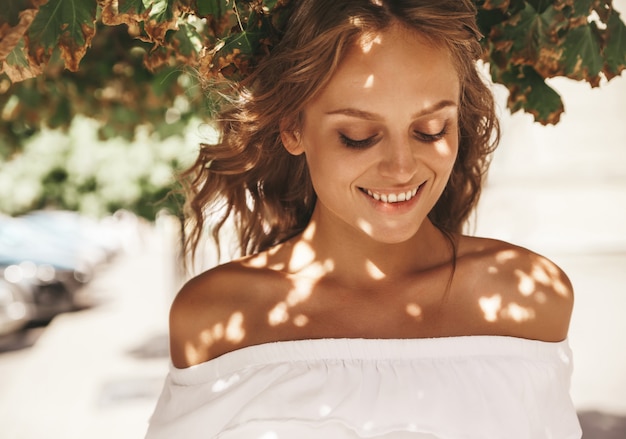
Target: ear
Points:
(291, 138)
(291, 142)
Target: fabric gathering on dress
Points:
(487, 387)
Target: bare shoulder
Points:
(216, 311)
(516, 289)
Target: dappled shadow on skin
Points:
(541, 288)
(294, 294)
(600, 425)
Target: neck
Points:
(354, 258)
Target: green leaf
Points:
(615, 50)
(582, 59)
(162, 10)
(164, 80)
(66, 24)
(17, 57)
(132, 7)
(526, 33)
(582, 7)
(214, 8)
(487, 19)
(529, 92)
(187, 40)
(9, 13)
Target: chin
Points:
(391, 237)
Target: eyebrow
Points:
(360, 114)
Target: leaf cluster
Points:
(530, 41)
(126, 63)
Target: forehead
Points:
(395, 62)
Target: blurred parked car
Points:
(50, 257)
(86, 238)
(47, 291)
(16, 310)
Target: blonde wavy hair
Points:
(250, 177)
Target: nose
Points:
(398, 160)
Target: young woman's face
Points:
(381, 139)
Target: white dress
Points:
(487, 387)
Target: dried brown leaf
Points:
(11, 36)
(71, 52)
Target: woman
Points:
(350, 161)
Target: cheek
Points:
(445, 153)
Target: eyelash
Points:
(370, 141)
(358, 144)
(430, 138)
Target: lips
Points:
(391, 197)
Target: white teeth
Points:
(392, 198)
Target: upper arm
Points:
(554, 296)
(539, 295)
(520, 293)
(189, 314)
(204, 320)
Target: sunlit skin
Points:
(367, 266)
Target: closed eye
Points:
(429, 138)
(358, 143)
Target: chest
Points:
(420, 307)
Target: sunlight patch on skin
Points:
(279, 314)
(369, 82)
(518, 313)
(367, 40)
(505, 256)
(491, 307)
(492, 270)
(191, 353)
(373, 271)
(301, 291)
(194, 351)
(259, 260)
(300, 320)
(414, 310)
(540, 274)
(526, 283)
(209, 336)
(235, 332)
(443, 149)
(302, 255)
(309, 232)
(540, 297)
(328, 265)
(554, 278)
(364, 225)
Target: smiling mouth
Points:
(392, 197)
